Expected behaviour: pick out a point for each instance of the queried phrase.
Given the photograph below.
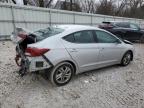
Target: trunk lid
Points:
(19, 34)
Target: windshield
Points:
(47, 32)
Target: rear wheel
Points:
(126, 58)
(62, 74)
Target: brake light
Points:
(33, 52)
(109, 26)
(106, 26)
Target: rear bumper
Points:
(39, 63)
(31, 64)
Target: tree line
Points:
(123, 8)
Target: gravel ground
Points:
(112, 87)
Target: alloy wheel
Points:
(126, 59)
(63, 74)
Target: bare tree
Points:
(6, 1)
(24, 1)
(42, 3)
(124, 8)
(121, 6)
(88, 6)
(39, 3)
(134, 4)
(106, 7)
(48, 3)
(72, 5)
(14, 1)
(133, 8)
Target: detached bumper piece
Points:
(23, 64)
(24, 68)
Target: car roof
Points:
(115, 22)
(69, 29)
(77, 27)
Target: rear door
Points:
(83, 49)
(111, 49)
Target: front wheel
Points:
(62, 74)
(126, 58)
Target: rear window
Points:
(47, 32)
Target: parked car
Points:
(124, 30)
(66, 50)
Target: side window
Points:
(124, 25)
(134, 26)
(84, 37)
(80, 37)
(104, 37)
(69, 38)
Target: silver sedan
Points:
(66, 50)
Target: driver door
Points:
(110, 48)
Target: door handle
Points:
(102, 49)
(73, 50)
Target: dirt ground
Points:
(112, 87)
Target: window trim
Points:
(93, 35)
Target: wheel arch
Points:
(131, 54)
(73, 64)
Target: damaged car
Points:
(66, 50)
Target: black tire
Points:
(61, 72)
(126, 59)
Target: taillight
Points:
(106, 26)
(109, 26)
(33, 52)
